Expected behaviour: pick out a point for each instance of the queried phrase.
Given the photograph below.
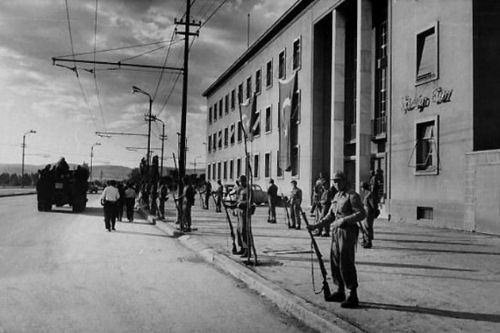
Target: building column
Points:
(363, 89)
(338, 93)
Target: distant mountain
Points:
(117, 172)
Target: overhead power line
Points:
(96, 86)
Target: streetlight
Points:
(24, 146)
(163, 137)
(92, 155)
(138, 90)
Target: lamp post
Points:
(92, 156)
(24, 146)
(136, 89)
(163, 137)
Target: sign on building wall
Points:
(439, 95)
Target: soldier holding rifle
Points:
(345, 212)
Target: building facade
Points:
(405, 88)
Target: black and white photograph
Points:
(250, 166)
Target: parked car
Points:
(259, 195)
(93, 188)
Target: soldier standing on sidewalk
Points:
(218, 193)
(187, 197)
(208, 193)
(241, 204)
(272, 198)
(162, 198)
(345, 213)
(371, 213)
(295, 201)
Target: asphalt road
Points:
(61, 271)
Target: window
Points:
(249, 87)
(220, 139)
(279, 170)
(231, 135)
(426, 154)
(213, 172)
(268, 119)
(282, 65)
(233, 99)
(256, 124)
(427, 55)
(226, 104)
(225, 169)
(231, 169)
(296, 62)
(256, 166)
(258, 81)
(215, 112)
(269, 73)
(214, 142)
(210, 115)
(425, 213)
(295, 161)
(226, 137)
(220, 108)
(240, 131)
(208, 171)
(238, 167)
(240, 93)
(218, 170)
(209, 143)
(298, 95)
(267, 165)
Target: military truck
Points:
(61, 186)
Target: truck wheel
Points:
(48, 207)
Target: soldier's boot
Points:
(352, 300)
(338, 296)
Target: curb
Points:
(295, 306)
(16, 194)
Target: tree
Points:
(25, 180)
(14, 180)
(4, 178)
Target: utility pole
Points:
(163, 137)
(187, 24)
(136, 89)
(24, 146)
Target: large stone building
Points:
(405, 87)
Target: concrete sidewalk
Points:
(14, 191)
(414, 279)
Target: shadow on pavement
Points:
(426, 242)
(396, 265)
(435, 250)
(141, 233)
(494, 318)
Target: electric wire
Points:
(96, 86)
(164, 64)
(77, 75)
(213, 13)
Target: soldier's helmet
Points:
(339, 175)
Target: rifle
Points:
(326, 288)
(233, 238)
(285, 205)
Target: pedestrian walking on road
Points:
(317, 192)
(120, 203)
(130, 196)
(109, 198)
(272, 198)
(343, 217)
(295, 202)
(219, 191)
(371, 214)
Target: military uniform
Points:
(296, 201)
(367, 224)
(343, 217)
(188, 195)
(219, 192)
(272, 197)
(241, 205)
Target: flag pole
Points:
(248, 174)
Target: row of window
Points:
(232, 169)
(229, 100)
(235, 132)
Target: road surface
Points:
(61, 271)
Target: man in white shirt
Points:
(109, 197)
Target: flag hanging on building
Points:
(250, 119)
(287, 107)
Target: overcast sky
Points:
(36, 95)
